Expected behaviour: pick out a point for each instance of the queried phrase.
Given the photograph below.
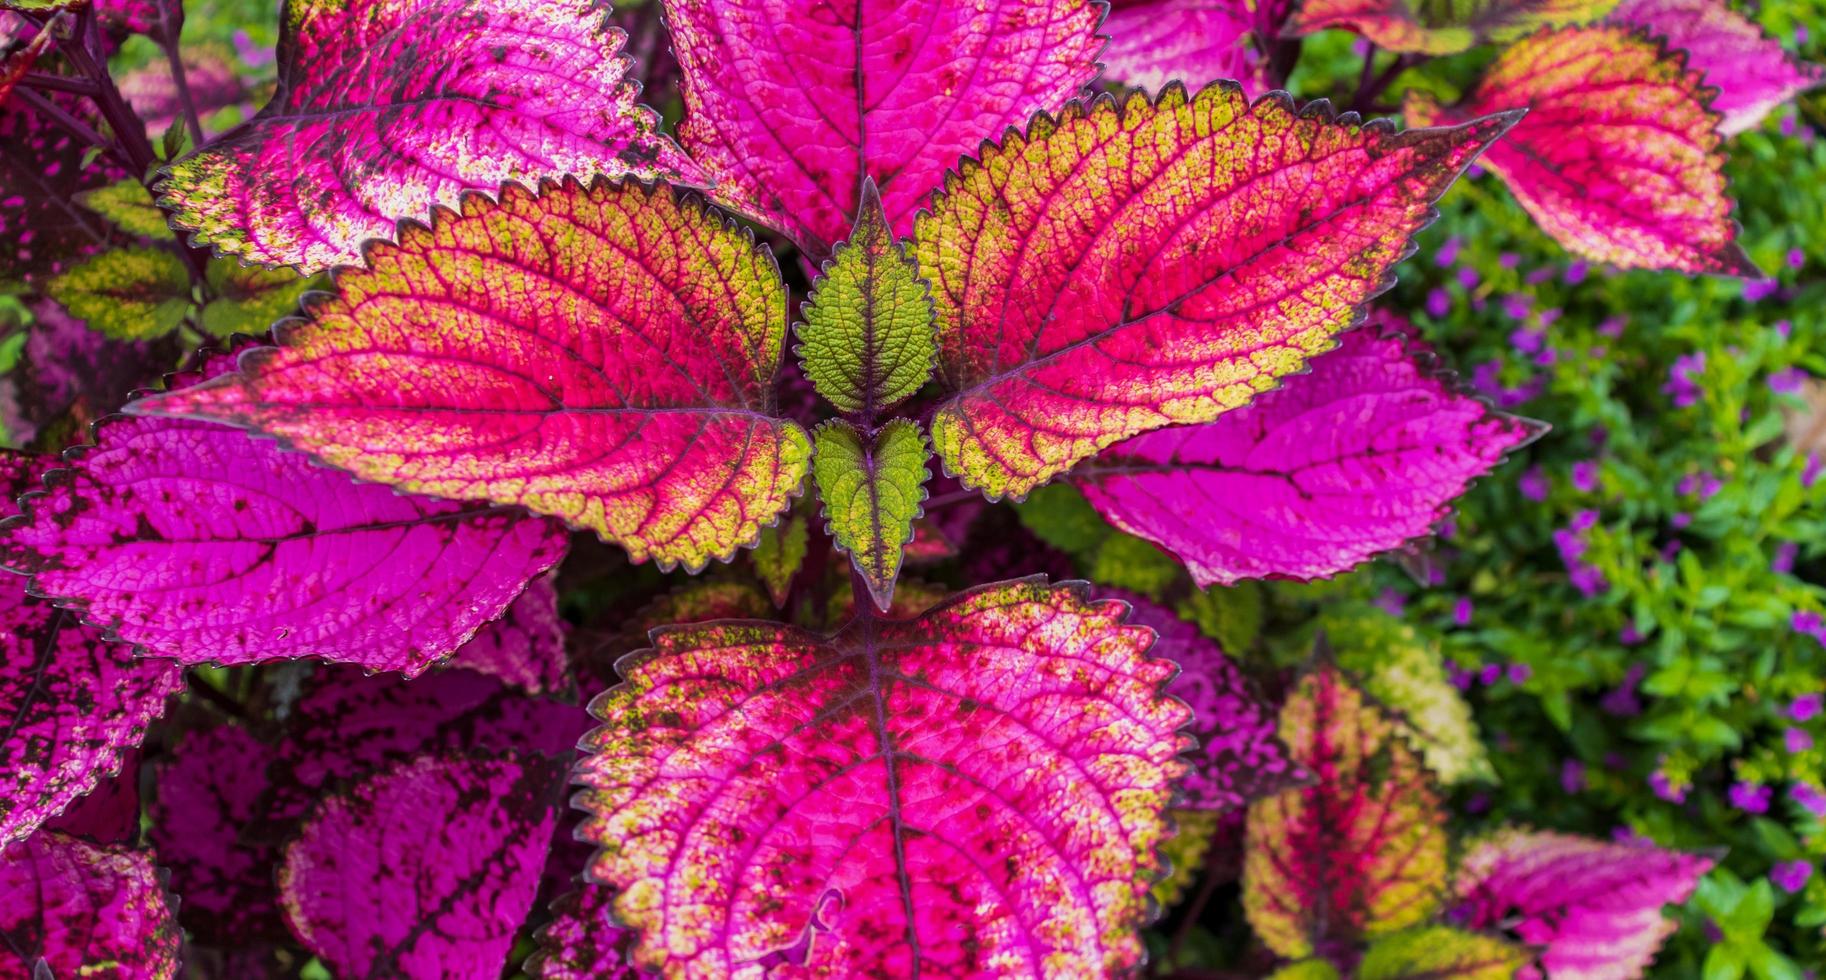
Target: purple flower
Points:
(1680, 519)
(1788, 124)
(1621, 701)
(1519, 673)
(1665, 788)
(1670, 550)
(1809, 797)
(1796, 258)
(1508, 260)
(1460, 677)
(1461, 611)
(1791, 876)
(1526, 339)
(1629, 635)
(1584, 520)
(1681, 385)
(1491, 673)
(1796, 740)
(1807, 623)
(1785, 553)
(1550, 316)
(1585, 476)
(1538, 276)
(1517, 305)
(1486, 378)
(1750, 797)
(1811, 471)
(1783, 328)
(1392, 602)
(1575, 273)
(1448, 253)
(1629, 836)
(1788, 381)
(1439, 303)
(1806, 706)
(1468, 277)
(1612, 327)
(1572, 776)
(1533, 484)
(1757, 290)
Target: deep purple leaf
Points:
(70, 909)
(424, 870)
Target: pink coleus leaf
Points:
(349, 725)
(208, 790)
(1238, 758)
(110, 813)
(1753, 74)
(1153, 42)
(583, 941)
(979, 789)
(75, 703)
(426, 869)
(1358, 854)
(1618, 156)
(1425, 27)
(604, 354)
(525, 647)
(1351, 460)
(1595, 906)
(202, 544)
(1138, 264)
(71, 908)
(42, 169)
(788, 106)
(386, 108)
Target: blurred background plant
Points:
(1632, 609)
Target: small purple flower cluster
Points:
(1572, 544)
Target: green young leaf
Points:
(249, 298)
(778, 555)
(1059, 515)
(128, 294)
(1441, 953)
(872, 494)
(1184, 853)
(129, 205)
(867, 339)
(1405, 671)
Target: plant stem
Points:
(171, 29)
(129, 132)
(52, 111)
(56, 83)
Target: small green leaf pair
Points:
(868, 342)
(145, 292)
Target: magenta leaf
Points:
(1132, 265)
(209, 788)
(1618, 157)
(153, 93)
(67, 368)
(69, 908)
(1239, 758)
(1753, 74)
(1594, 906)
(426, 869)
(110, 813)
(386, 108)
(976, 790)
(348, 725)
(1153, 42)
(1351, 460)
(42, 169)
(525, 647)
(583, 942)
(74, 703)
(604, 354)
(200, 543)
(789, 107)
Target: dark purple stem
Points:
(57, 83)
(171, 29)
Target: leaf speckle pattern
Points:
(979, 789)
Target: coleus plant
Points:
(546, 314)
